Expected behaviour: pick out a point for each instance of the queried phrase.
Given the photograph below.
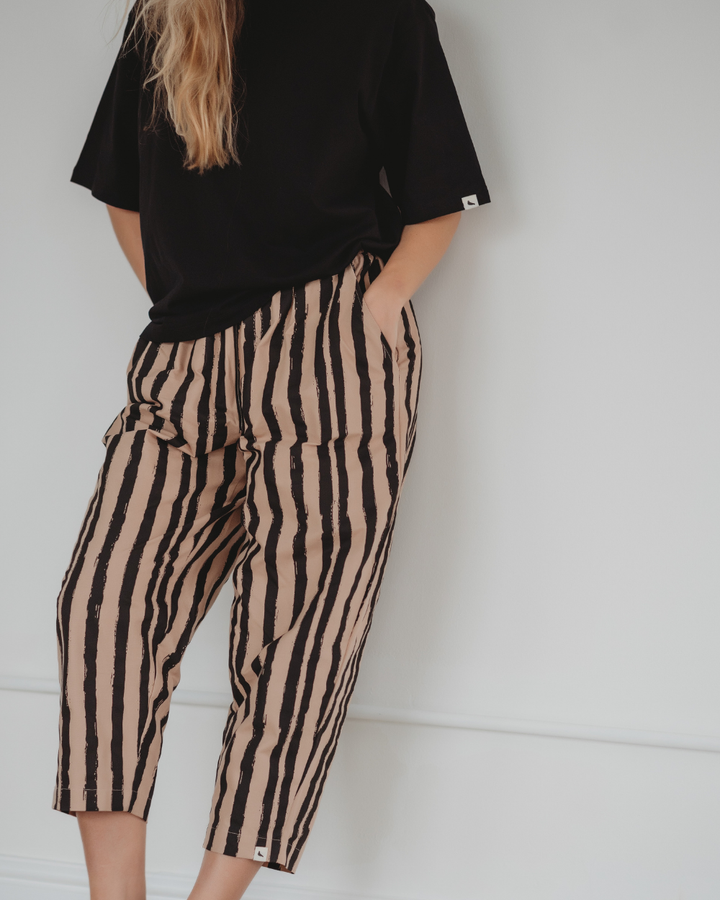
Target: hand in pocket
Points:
(385, 307)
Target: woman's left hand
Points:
(385, 307)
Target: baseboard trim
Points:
(420, 718)
(49, 879)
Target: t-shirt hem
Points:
(195, 327)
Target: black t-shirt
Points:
(336, 90)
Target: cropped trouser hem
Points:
(75, 800)
(274, 853)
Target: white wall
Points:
(556, 565)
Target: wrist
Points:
(387, 292)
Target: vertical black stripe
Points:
(297, 349)
(392, 467)
(141, 364)
(92, 622)
(65, 604)
(203, 408)
(237, 814)
(159, 382)
(155, 595)
(228, 744)
(179, 401)
(220, 434)
(122, 624)
(269, 479)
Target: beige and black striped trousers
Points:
(275, 452)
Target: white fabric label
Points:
(261, 854)
(471, 202)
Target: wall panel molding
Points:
(48, 879)
(425, 719)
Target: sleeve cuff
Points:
(107, 194)
(414, 215)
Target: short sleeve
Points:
(429, 157)
(109, 163)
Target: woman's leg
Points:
(114, 845)
(160, 536)
(328, 409)
(223, 877)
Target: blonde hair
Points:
(192, 67)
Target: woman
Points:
(271, 400)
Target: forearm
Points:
(421, 248)
(126, 225)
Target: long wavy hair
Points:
(191, 68)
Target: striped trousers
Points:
(274, 453)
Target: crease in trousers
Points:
(272, 453)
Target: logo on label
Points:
(261, 854)
(471, 202)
